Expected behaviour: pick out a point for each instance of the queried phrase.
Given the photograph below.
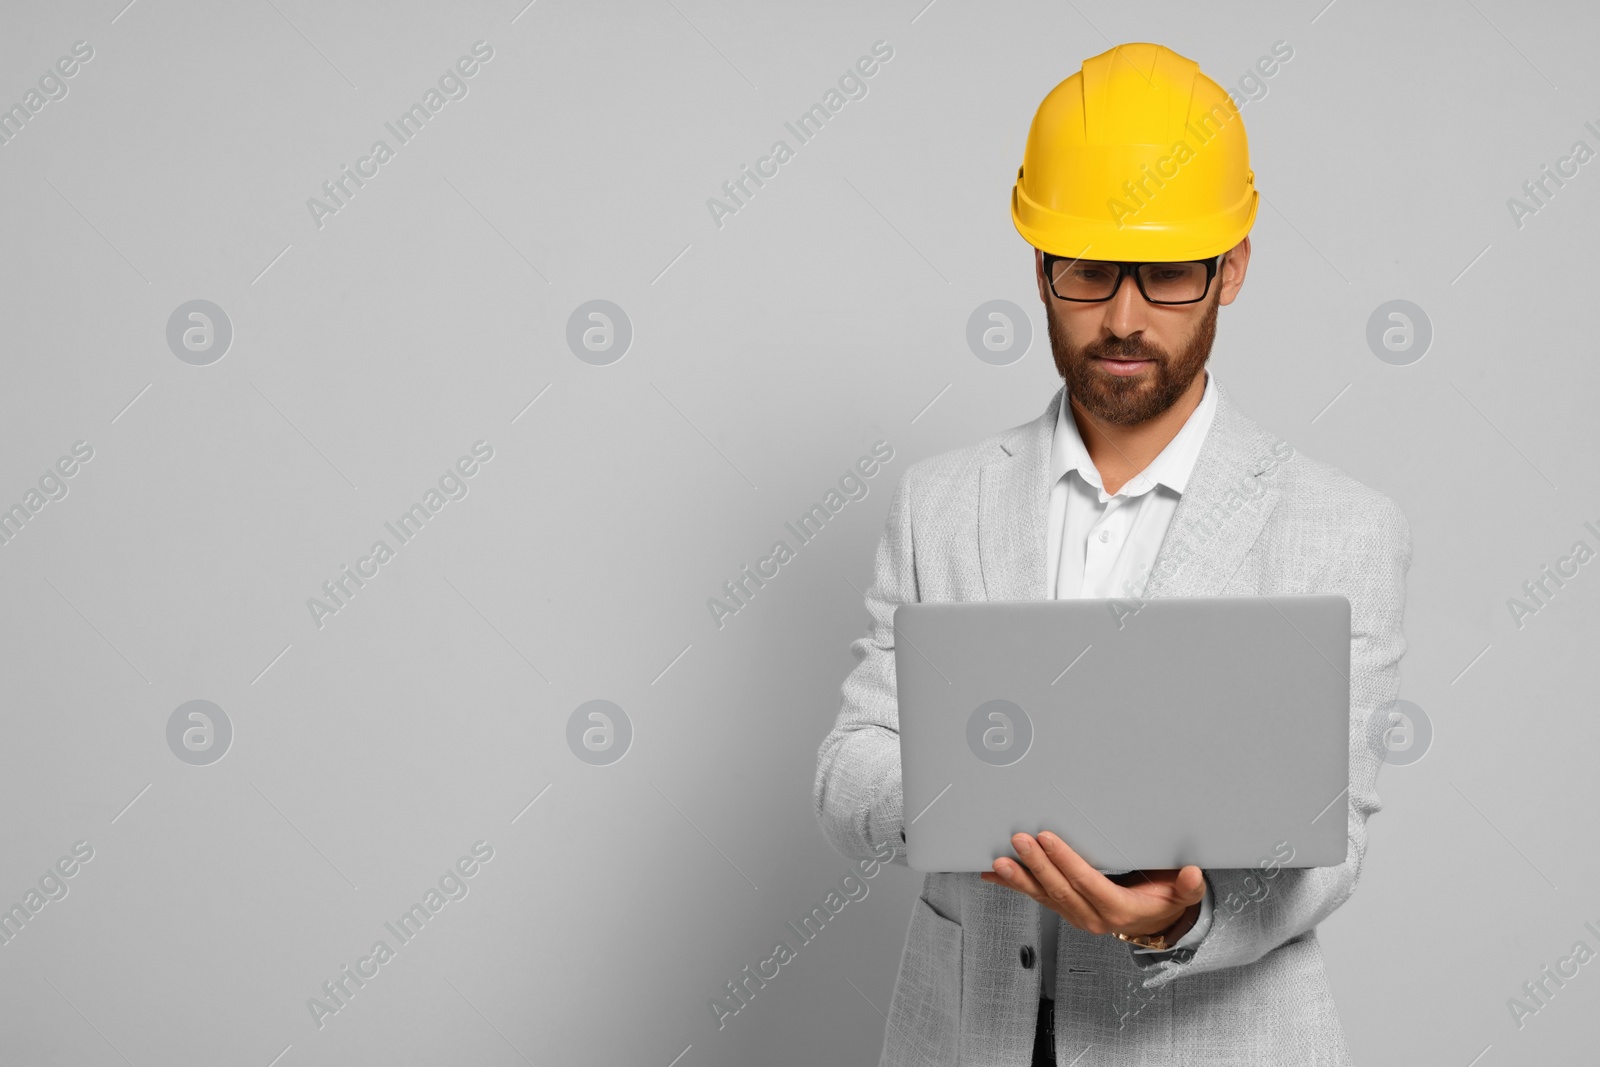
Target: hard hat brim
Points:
(1105, 238)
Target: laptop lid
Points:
(1147, 733)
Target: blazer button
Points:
(1027, 956)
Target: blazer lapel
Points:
(1222, 511)
(1013, 501)
(1220, 515)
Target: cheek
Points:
(1078, 325)
(1197, 332)
(1174, 333)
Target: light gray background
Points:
(768, 355)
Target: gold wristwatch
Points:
(1157, 940)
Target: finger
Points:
(995, 879)
(1011, 874)
(1163, 891)
(1196, 884)
(1009, 871)
(1100, 896)
(1177, 886)
(1156, 881)
(1054, 886)
(1019, 878)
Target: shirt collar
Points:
(1171, 468)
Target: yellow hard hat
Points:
(1138, 156)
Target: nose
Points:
(1126, 310)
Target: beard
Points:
(1128, 401)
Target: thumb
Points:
(1190, 888)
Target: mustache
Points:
(1123, 348)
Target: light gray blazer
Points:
(1257, 518)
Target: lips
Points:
(1124, 366)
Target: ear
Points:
(1038, 271)
(1234, 265)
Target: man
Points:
(1140, 479)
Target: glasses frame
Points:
(1125, 269)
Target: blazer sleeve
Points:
(1256, 909)
(857, 793)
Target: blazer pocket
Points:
(925, 1012)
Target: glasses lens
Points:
(1164, 283)
(1173, 283)
(1084, 279)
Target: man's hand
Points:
(1140, 902)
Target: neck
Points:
(1120, 452)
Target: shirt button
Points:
(1105, 535)
(1027, 956)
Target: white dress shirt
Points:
(1104, 545)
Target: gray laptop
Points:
(1146, 733)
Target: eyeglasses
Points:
(1092, 281)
